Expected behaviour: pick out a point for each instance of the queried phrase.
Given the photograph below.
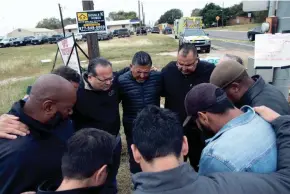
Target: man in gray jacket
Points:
(159, 146)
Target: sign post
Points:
(217, 20)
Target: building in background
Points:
(22, 32)
(111, 26)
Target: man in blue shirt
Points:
(242, 140)
(26, 161)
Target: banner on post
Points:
(66, 47)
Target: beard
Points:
(56, 119)
(207, 132)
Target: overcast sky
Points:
(26, 13)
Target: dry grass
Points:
(25, 62)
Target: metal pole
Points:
(272, 8)
(139, 12)
(223, 16)
(61, 19)
(92, 39)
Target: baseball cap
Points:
(204, 97)
(226, 72)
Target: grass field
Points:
(244, 27)
(25, 62)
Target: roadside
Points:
(241, 28)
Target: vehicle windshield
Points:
(6, 39)
(155, 28)
(194, 32)
(123, 30)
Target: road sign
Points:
(91, 22)
(69, 54)
(217, 18)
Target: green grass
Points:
(12, 92)
(244, 27)
(25, 61)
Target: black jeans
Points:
(195, 144)
(134, 167)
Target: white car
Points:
(78, 37)
(6, 42)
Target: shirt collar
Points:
(248, 115)
(254, 90)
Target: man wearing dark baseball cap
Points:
(242, 140)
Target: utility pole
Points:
(143, 14)
(92, 38)
(139, 12)
(223, 15)
(272, 8)
(61, 19)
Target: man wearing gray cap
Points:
(245, 90)
(243, 141)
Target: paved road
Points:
(227, 35)
(233, 45)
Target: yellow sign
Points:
(217, 18)
(83, 16)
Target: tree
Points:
(170, 16)
(50, 23)
(68, 21)
(122, 15)
(195, 12)
(209, 13)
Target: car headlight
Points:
(186, 41)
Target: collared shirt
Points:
(245, 144)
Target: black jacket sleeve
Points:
(122, 71)
(250, 183)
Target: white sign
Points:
(250, 5)
(65, 47)
(272, 50)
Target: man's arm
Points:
(210, 164)
(250, 183)
(10, 127)
(122, 71)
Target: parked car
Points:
(155, 30)
(78, 37)
(1, 38)
(252, 33)
(124, 32)
(105, 36)
(115, 33)
(39, 40)
(141, 31)
(197, 37)
(28, 39)
(149, 29)
(18, 42)
(6, 42)
(167, 30)
(55, 38)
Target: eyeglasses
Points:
(105, 80)
(186, 66)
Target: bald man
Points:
(26, 161)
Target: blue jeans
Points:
(111, 186)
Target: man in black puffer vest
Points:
(138, 88)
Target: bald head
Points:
(51, 96)
(51, 87)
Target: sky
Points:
(26, 13)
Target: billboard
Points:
(255, 5)
(91, 22)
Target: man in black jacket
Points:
(26, 161)
(97, 106)
(85, 164)
(160, 154)
(245, 90)
(138, 88)
(178, 78)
